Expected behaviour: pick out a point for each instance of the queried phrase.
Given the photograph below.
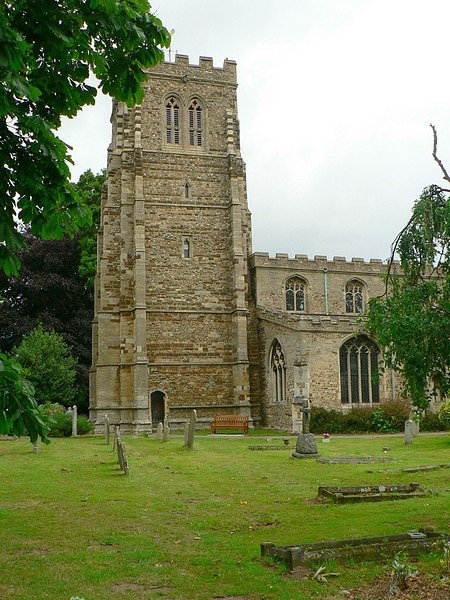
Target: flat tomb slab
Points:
(356, 549)
(339, 460)
(371, 493)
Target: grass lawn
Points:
(189, 524)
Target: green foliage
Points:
(430, 422)
(19, 412)
(89, 187)
(47, 52)
(49, 366)
(444, 414)
(381, 423)
(61, 422)
(401, 571)
(388, 417)
(411, 321)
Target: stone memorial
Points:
(306, 446)
(409, 431)
(191, 430)
(166, 433)
(107, 429)
(74, 420)
(159, 432)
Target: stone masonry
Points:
(186, 317)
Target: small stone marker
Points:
(165, 433)
(36, 445)
(159, 432)
(116, 436)
(186, 433)
(74, 420)
(107, 429)
(191, 430)
(409, 431)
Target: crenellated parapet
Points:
(303, 262)
(182, 67)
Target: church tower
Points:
(170, 331)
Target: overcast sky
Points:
(335, 100)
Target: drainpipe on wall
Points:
(325, 290)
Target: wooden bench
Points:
(229, 422)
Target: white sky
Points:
(335, 101)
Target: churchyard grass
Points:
(189, 524)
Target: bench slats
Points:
(230, 422)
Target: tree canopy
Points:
(412, 319)
(49, 366)
(48, 50)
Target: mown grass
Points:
(189, 524)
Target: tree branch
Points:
(436, 158)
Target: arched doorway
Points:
(157, 407)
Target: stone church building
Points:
(186, 316)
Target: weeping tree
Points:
(412, 319)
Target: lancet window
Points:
(195, 123)
(278, 373)
(172, 121)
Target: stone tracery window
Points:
(195, 123)
(172, 121)
(295, 294)
(358, 358)
(354, 297)
(277, 373)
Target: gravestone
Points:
(74, 420)
(165, 433)
(414, 418)
(36, 445)
(409, 431)
(159, 432)
(191, 430)
(116, 436)
(107, 429)
(306, 446)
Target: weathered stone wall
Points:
(311, 339)
(197, 330)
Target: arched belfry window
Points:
(172, 121)
(295, 294)
(354, 297)
(195, 123)
(277, 372)
(358, 358)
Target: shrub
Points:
(61, 422)
(358, 420)
(444, 414)
(431, 422)
(397, 412)
(323, 420)
(382, 423)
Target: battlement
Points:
(303, 261)
(204, 69)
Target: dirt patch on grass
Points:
(420, 587)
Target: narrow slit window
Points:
(186, 248)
